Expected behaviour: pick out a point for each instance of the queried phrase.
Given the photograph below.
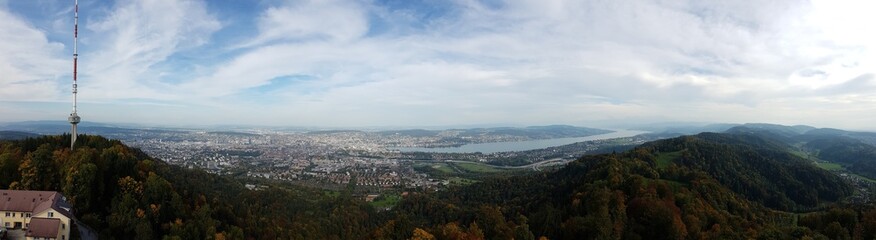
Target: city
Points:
(331, 159)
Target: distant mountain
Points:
(61, 127)
(534, 132)
(678, 129)
(761, 169)
(855, 151)
(411, 132)
(707, 186)
(334, 131)
(232, 133)
(796, 129)
(16, 135)
(866, 137)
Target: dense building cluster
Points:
(320, 158)
(326, 158)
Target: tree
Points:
(38, 171)
(420, 234)
(836, 231)
(78, 186)
(9, 163)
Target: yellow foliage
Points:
(141, 213)
(420, 234)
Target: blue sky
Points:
(340, 63)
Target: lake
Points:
(495, 147)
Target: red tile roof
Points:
(43, 227)
(33, 201)
(23, 200)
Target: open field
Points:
(443, 167)
(461, 181)
(477, 168)
(386, 200)
(830, 166)
(664, 159)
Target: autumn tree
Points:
(38, 171)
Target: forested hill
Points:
(122, 193)
(854, 151)
(16, 135)
(707, 186)
(760, 169)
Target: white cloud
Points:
(525, 62)
(129, 42)
(321, 20)
(516, 59)
(30, 65)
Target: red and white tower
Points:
(74, 118)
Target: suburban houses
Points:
(38, 215)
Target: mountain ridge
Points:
(707, 186)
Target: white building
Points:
(41, 214)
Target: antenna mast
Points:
(74, 118)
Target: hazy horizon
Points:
(342, 64)
(648, 126)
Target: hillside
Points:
(16, 135)
(854, 151)
(707, 186)
(121, 192)
(762, 170)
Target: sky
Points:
(337, 63)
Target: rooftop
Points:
(43, 227)
(33, 201)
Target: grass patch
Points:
(332, 194)
(477, 168)
(830, 166)
(461, 181)
(800, 154)
(442, 167)
(664, 159)
(385, 201)
(675, 185)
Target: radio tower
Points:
(74, 118)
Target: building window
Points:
(13, 214)
(28, 214)
(7, 214)
(51, 214)
(27, 225)
(7, 224)
(63, 226)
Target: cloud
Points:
(30, 64)
(469, 61)
(322, 20)
(515, 59)
(132, 40)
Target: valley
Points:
(774, 183)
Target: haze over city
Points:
(431, 63)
